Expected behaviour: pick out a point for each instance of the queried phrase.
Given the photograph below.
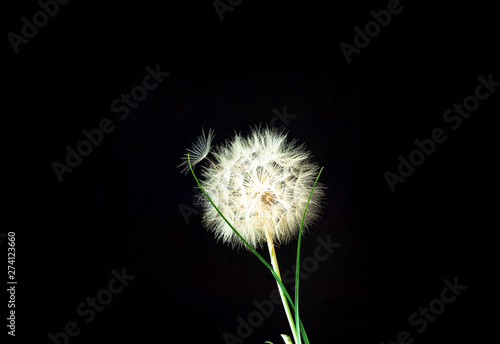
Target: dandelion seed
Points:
(261, 183)
(198, 151)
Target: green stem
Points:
(274, 262)
(297, 265)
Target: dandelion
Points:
(257, 189)
(261, 183)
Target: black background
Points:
(119, 208)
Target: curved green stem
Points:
(274, 262)
(297, 265)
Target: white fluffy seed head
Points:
(261, 184)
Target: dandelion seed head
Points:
(261, 184)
